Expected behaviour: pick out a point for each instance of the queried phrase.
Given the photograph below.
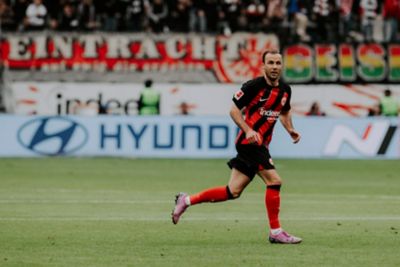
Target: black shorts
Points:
(251, 159)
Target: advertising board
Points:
(190, 137)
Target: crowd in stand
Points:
(292, 20)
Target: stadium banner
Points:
(191, 137)
(57, 98)
(229, 59)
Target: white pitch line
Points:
(240, 202)
(299, 197)
(71, 201)
(347, 196)
(383, 218)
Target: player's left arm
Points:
(286, 120)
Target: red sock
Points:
(215, 194)
(272, 202)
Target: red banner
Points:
(236, 58)
(232, 59)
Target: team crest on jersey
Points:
(283, 101)
(238, 94)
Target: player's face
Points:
(273, 66)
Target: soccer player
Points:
(262, 100)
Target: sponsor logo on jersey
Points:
(269, 113)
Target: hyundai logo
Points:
(52, 136)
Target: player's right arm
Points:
(251, 135)
(241, 99)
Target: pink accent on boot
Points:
(180, 207)
(284, 238)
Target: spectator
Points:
(6, 17)
(389, 106)
(149, 101)
(368, 17)
(298, 15)
(315, 110)
(198, 18)
(391, 15)
(19, 9)
(87, 16)
(276, 16)
(36, 14)
(110, 16)
(136, 19)
(229, 13)
(74, 3)
(68, 19)
(53, 9)
(157, 12)
(211, 9)
(345, 21)
(324, 13)
(256, 11)
(184, 108)
(180, 16)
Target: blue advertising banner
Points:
(142, 136)
(190, 137)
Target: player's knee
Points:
(275, 180)
(232, 194)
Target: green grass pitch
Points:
(116, 212)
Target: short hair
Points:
(388, 92)
(148, 83)
(271, 51)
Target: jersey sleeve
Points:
(244, 96)
(287, 106)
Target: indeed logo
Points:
(269, 113)
(114, 106)
(52, 136)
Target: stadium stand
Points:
(294, 20)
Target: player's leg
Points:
(272, 202)
(272, 196)
(237, 183)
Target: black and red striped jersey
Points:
(262, 105)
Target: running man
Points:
(262, 100)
